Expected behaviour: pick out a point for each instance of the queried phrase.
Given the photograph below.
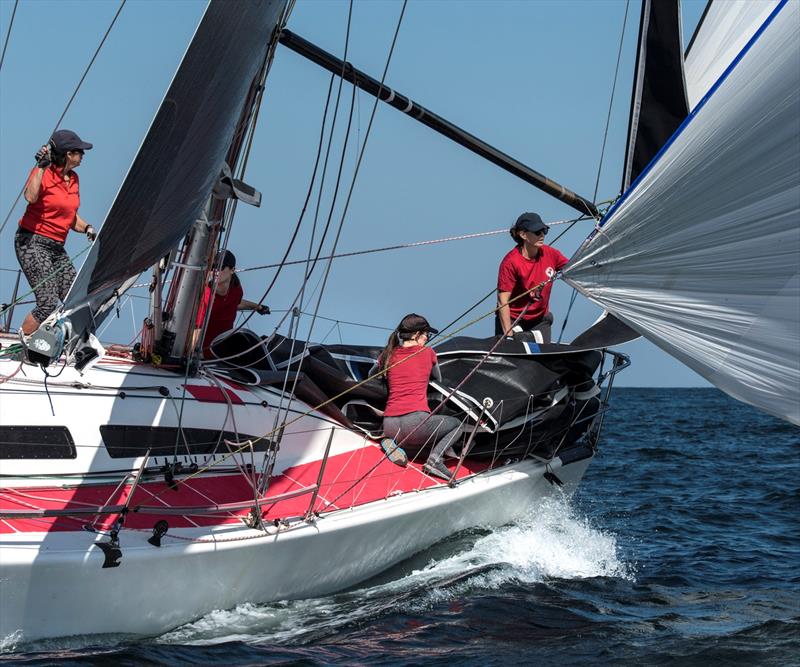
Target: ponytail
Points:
(395, 340)
(386, 353)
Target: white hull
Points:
(54, 584)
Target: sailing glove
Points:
(91, 234)
(263, 310)
(43, 157)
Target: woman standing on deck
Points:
(53, 196)
(529, 264)
(409, 364)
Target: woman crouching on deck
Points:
(409, 365)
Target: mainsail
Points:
(701, 255)
(181, 157)
(658, 104)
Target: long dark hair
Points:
(409, 326)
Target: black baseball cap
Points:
(530, 222)
(225, 260)
(67, 140)
(412, 323)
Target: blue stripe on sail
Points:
(695, 111)
(531, 348)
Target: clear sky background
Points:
(532, 78)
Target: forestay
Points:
(181, 157)
(701, 255)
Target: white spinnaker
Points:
(702, 255)
(726, 28)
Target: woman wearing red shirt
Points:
(53, 195)
(227, 302)
(409, 365)
(529, 264)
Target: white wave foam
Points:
(552, 543)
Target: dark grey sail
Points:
(181, 157)
(658, 102)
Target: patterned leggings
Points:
(46, 265)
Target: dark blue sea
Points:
(681, 547)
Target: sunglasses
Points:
(79, 151)
(541, 232)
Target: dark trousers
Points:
(410, 432)
(543, 325)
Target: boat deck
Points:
(352, 479)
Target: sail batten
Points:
(702, 254)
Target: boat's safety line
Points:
(5, 306)
(270, 434)
(402, 246)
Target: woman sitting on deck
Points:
(409, 365)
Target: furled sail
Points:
(724, 29)
(181, 157)
(658, 101)
(701, 256)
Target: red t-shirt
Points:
(54, 212)
(408, 380)
(223, 313)
(518, 274)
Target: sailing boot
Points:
(437, 469)
(394, 453)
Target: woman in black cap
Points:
(53, 195)
(529, 264)
(228, 301)
(409, 365)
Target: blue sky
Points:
(532, 78)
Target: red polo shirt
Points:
(223, 314)
(518, 274)
(408, 380)
(54, 212)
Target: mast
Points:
(434, 121)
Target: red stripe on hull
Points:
(355, 478)
(207, 394)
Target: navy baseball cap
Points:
(530, 222)
(67, 140)
(412, 323)
(225, 260)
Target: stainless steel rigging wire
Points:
(602, 152)
(8, 33)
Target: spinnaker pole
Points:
(434, 121)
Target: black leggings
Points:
(46, 265)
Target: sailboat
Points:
(130, 474)
(260, 474)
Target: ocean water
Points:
(681, 547)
